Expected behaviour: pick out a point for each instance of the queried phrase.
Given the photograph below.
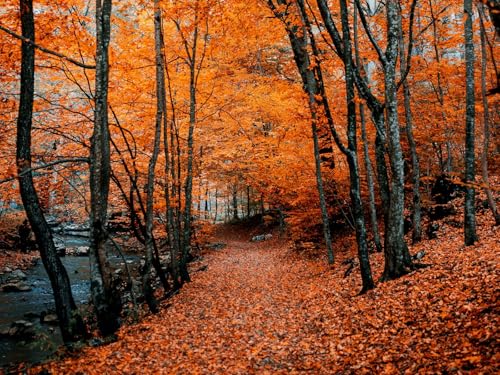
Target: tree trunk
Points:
(486, 125)
(367, 161)
(381, 164)
(188, 188)
(395, 249)
(235, 202)
(106, 300)
(150, 186)
(470, 114)
(248, 200)
(352, 157)
(417, 212)
(319, 183)
(171, 182)
(70, 321)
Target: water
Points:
(20, 306)
(29, 305)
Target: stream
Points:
(28, 306)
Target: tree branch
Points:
(380, 53)
(46, 50)
(46, 165)
(410, 44)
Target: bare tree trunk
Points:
(417, 212)
(235, 202)
(188, 188)
(352, 156)
(70, 321)
(171, 175)
(486, 125)
(106, 300)
(470, 114)
(366, 155)
(381, 165)
(216, 206)
(248, 200)
(448, 166)
(319, 183)
(150, 186)
(396, 251)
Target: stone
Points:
(21, 329)
(419, 255)
(217, 246)
(49, 319)
(81, 251)
(16, 287)
(262, 237)
(18, 274)
(118, 272)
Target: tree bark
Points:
(70, 321)
(417, 211)
(397, 260)
(366, 155)
(352, 156)
(171, 184)
(234, 189)
(470, 235)
(486, 124)
(107, 302)
(150, 185)
(188, 187)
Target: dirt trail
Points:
(260, 308)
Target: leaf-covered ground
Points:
(262, 308)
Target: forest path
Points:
(261, 308)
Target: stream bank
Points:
(29, 330)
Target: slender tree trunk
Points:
(188, 189)
(367, 162)
(470, 192)
(319, 182)
(395, 249)
(381, 165)
(248, 201)
(369, 181)
(169, 138)
(448, 166)
(150, 186)
(70, 321)
(235, 202)
(417, 212)
(486, 124)
(352, 157)
(106, 300)
(216, 206)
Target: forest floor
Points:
(260, 307)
